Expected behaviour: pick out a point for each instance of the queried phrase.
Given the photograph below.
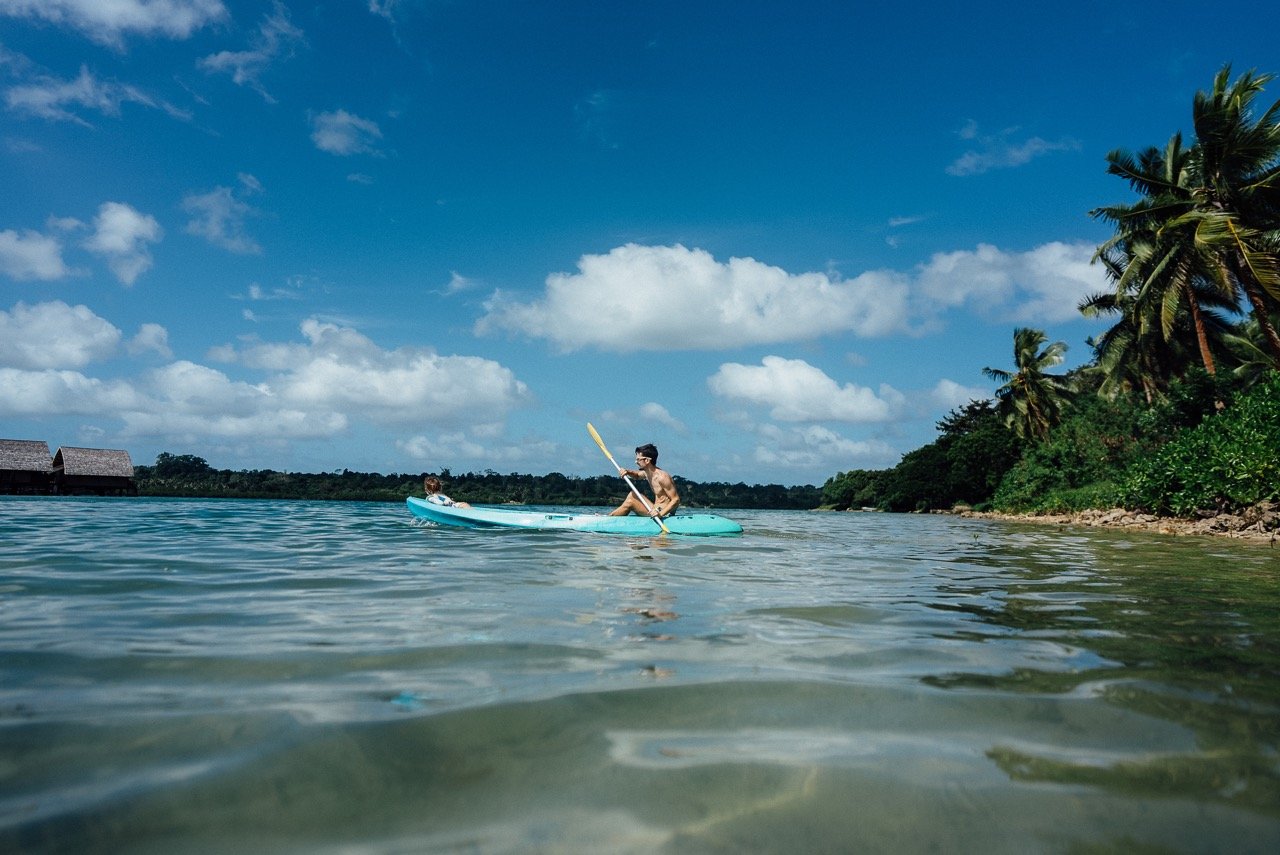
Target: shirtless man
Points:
(665, 497)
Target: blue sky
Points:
(779, 240)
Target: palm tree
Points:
(1208, 217)
(1248, 351)
(1030, 400)
(1155, 254)
(1237, 178)
(1158, 319)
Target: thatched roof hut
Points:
(25, 466)
(93, 470)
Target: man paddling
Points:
(665, 496)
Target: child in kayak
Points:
(431, 485)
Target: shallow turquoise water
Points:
(244, 676)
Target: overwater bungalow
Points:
(25, 466)
(99, 471)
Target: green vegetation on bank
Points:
(187, 475)
(1178, 413)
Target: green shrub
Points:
(1229, 461)
(1076, 466)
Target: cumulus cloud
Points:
(1042, 285)
(613, 300)
(949, 394)
(276, 37)
(108, 21)
(816, 448)
(31, 255)
(316, 388)
(1000, 151)
(121, 234)
(340, 369)
(655, 412)
(151, 337)
(795, 391)
(219, 217)
(52, 392)
(187, 401)
(54, 335)
(343, 133)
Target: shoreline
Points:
(1258, 524)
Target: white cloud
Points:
(655, 412)
(192, 401)
(49, 98)
(343, 133)
(50, 392)
(340, 369)
(816, 449)
(673, 298)
(121, 234)
(998, 151)
(151, 337)
(276, 36)
(384, 8)
(107, 21)
(949, 394)
(313, 389)
(1045, 284)
(31, 255)
(54, 335)
(219, 218)
(795, 391)
(458, 282)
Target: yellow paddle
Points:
(648, 507)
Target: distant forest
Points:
(188, 475)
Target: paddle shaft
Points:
(653, 512)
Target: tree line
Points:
(188, 475)
(1178, 411)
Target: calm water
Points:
(199, 676)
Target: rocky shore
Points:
(1260, 523)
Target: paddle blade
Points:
(600, 442)
(596, 436)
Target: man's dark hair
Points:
(650, 451)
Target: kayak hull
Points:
(528, 518)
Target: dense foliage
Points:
(1210, 445)
(964, 465)
(187, 475)
(1229, 461)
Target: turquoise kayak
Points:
(528, 518)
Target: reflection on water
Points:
(1192, 639)
(187, 676)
